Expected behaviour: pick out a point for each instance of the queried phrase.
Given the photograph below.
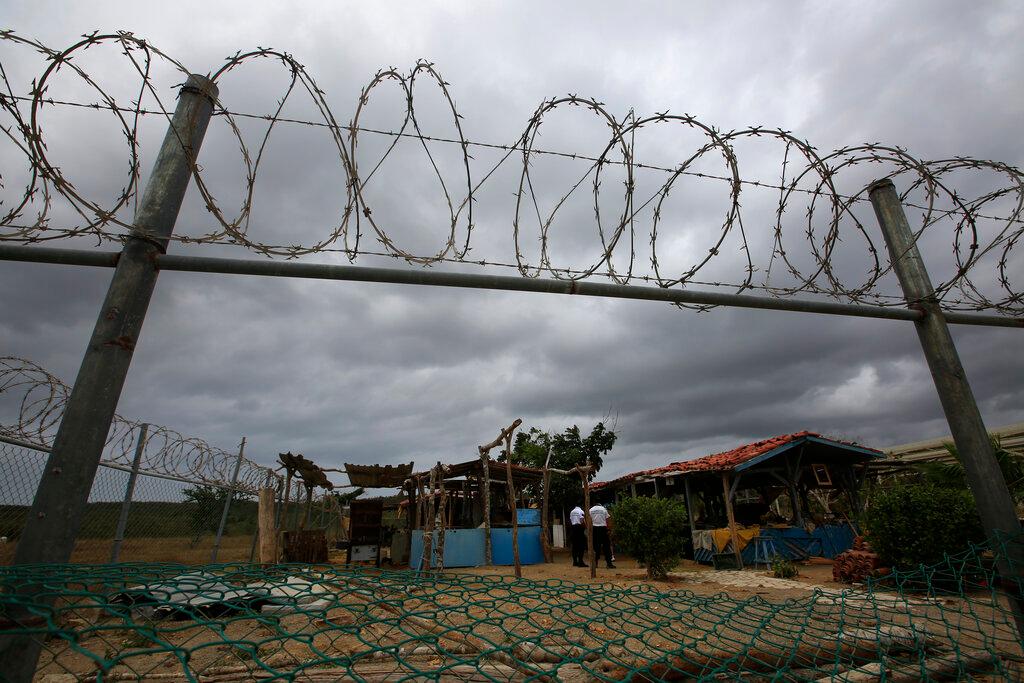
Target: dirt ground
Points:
(689, 575)
(385, 623)
(172, 549)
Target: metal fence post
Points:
(60, 501)
(995, 506)
(227, 502)
(129, 491)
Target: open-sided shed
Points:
(729, 495)
(464, 510)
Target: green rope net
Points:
(236, 622)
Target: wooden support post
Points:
(442, 515)
(486, 481)
(267, 532)
(307, 515)
(466, 519)
(585, 478)
(792, 475)
(485, 465)
(689, 512)
(546, 484)
(287, 500)
(732, 520)
(689, 503)
(421, 517)
(512, 506)
(413, 517)
(427, 540)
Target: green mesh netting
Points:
(236, 622)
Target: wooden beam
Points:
(735, 485)
(512, 507)
(792, 473)
(486, 482)
(428, 526)
(414, 514)
(267, 532)
(689, 509)
(485, 461)
(287, 499)
(584, 473)
(546, 484)
(689, 503)
(732, 520)
(442, 515)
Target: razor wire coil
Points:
(801, 259)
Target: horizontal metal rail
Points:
(23, 444)
(322, 271)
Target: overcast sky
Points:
(387, 374)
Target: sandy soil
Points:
(174, 549)
(689, 575)
(373, 617)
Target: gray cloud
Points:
(379, 373)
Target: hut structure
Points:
(461, 514)
(753, 503)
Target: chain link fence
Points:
(158, 496)
(165, 519)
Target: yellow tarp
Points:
(745, 534)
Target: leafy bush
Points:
(783, 568)
(913, 524)
(652, 530)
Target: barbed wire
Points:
(784, 269)
(36, 400)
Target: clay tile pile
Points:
(858, 563)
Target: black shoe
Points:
(611, 566)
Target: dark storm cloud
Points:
(378, 373)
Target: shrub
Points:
(913, 524)
(783, 568)
(652, 530)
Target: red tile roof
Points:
(720, 462)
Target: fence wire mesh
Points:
(168, 520)
(234, 622)
(180, 492)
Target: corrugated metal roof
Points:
(1011, 437)
(729, 460)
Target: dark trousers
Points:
(602, 544)
(578, 539)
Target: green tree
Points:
(651, 530)
(568, 450)
(206, 504)
(913, 524)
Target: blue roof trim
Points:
(770, 454)
(778, 450)
(847, 446)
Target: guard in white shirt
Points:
(578, 536)
(599, 517)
